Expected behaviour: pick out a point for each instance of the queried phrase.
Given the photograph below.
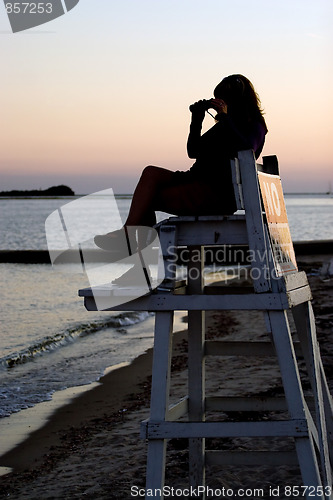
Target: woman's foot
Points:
(121, 242)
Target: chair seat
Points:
(194, 218)
(206, 230)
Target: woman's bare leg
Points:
(142, 210)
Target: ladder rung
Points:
(251, 458)
(223, 348)
(233, 403)
(172, 430)
(220, 403)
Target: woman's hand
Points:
(219, 105)
(198, 109)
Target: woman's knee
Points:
(156, 176)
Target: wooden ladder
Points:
(277, 288)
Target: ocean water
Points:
(22, 220)
(48, 341)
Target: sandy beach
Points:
(90, 447)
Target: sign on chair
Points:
(277, 222)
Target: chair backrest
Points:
(258, 191)
(237, 184)
(269, 166)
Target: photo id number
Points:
(29, 8)
(308, 491)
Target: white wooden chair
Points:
(277, 286)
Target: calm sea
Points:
(48, 341)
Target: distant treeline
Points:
(51, 191)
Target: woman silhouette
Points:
(206, 188)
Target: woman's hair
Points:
(239, 94)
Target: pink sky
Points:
(91, 98)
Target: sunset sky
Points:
(92, 97)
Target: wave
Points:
(50, 343)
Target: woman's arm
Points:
(198, 110)
(193, 140)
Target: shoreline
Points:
(90, 447)
(72, 407)
(20, 427)
(302, 248)
(17, 428)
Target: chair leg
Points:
(306, 330)
(328, 408)
(159, 398)
(196, 391)
(156, 466)
(196, 368)
(294, 396)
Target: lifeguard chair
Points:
(277, 287)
